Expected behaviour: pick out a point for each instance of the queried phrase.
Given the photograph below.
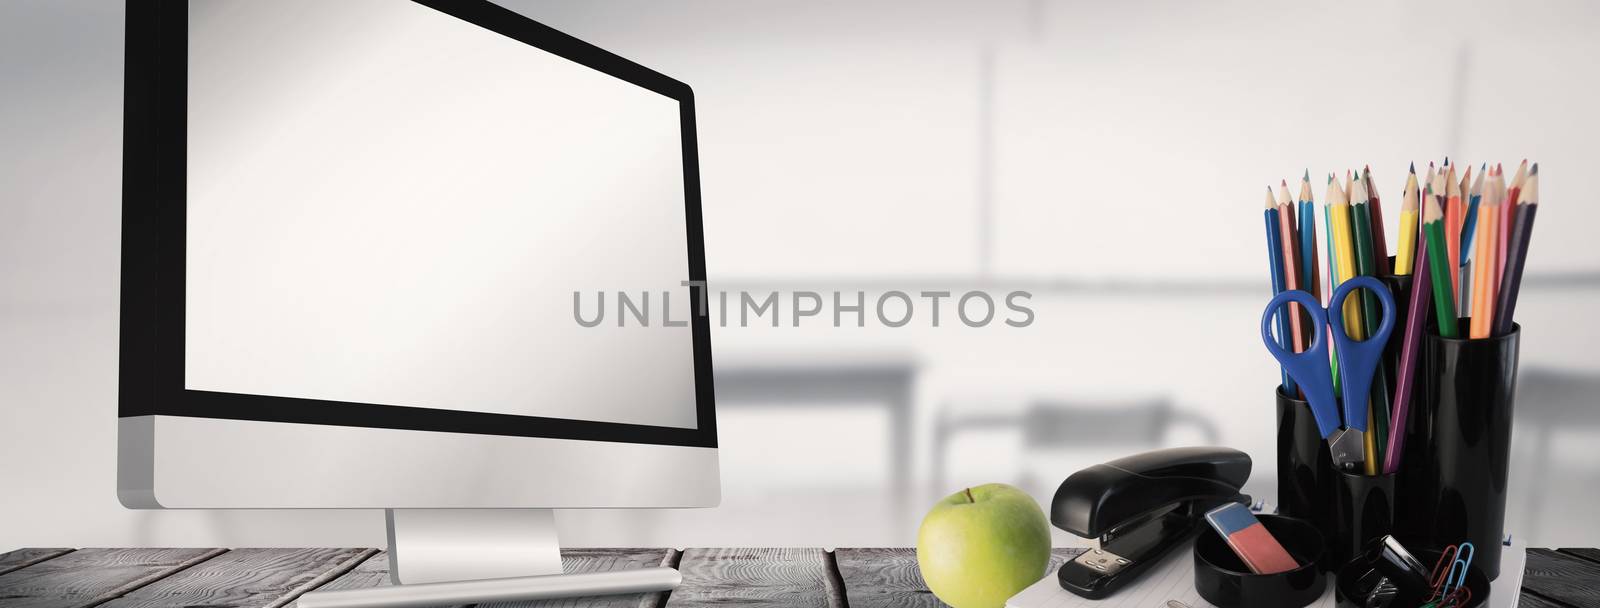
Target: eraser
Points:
(1250, 540)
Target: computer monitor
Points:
(364, 246)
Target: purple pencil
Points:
(1405, 385)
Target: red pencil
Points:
(1380, 245)
(1507, 215)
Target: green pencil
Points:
(1439, 266)
(1371, 309)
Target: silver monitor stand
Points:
(463, 556)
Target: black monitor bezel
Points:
(151, 349)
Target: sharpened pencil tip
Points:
(1534, 170)
(1413, 167)
(1307, 176)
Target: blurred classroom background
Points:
(1107, 157)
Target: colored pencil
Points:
(1366, 265)
(1275, 266)
(1434, 241)
(1406, 372)
(1517, 253)
(1483, 266)
(1310, 278)
(1332, 193)
(1405, 255)
(1362, 242)
(1345, 246)
(1452, 228)
(1496, 186)
(1327, 235)
(1380, 244)
(1288, 235)
(1513, 197)
(1429, 181)
(1474, 199)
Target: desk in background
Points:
(886, 381)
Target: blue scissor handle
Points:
(1308, 368)
(1359, 359)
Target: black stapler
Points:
(1140, 508)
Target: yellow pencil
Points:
(1344, 248)
(1405, 257)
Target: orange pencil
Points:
(1498, 186)
(1483, 283)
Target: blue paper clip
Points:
(1457, 578)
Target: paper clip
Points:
(1457, 599)
(1458, 578)
(1441, 570)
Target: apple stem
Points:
(969, 496)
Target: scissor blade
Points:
(1348, 450)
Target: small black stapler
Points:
(1140, 508)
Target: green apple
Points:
(982, 545)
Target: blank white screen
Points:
(388, 205)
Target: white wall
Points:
(844, 144)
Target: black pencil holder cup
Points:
(1400, 287)
(1222, 579)
(1467, 389)
(1363, 509)
(1305, 468)
(1355, 581)
(1413, 471)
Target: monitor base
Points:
(439, 545)
(464, 556)
(497, 590)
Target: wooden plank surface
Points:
(22, 558)
(371, 572)
(88, 577)
(1563, 578)
(889, 578)
(1529, 600)
(769, 577)
(374, 572)
(606, 560)
(1592, 555)
(264, 578)
(865, 578)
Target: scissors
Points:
(1358, 361)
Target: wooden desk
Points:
(845, 578)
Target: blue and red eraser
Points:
(1250, 540)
